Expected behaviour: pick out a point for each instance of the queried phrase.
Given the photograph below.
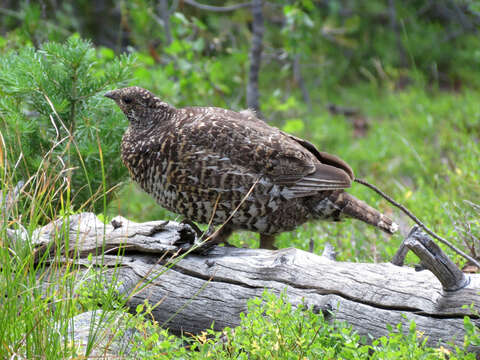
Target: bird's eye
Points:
(127, 100)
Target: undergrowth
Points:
(39, 293)
(274, 329)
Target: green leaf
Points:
(293, 126)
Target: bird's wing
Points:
(297, 163)
(325, 158)
(327, 173)
(325, 177)
(250, 148)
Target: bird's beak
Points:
(111, 95)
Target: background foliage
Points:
(391, 86)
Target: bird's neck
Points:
(150, 120)
(141, 125)
(160, 112)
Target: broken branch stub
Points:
(432, 258)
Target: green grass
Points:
(39, 291)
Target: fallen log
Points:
(195, 290)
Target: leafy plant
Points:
(273, 329)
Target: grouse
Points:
(222, 167)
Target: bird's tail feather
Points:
(340, 204)
(357, 209)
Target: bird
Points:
(231, 169)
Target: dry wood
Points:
(435, 260)
(200, 290)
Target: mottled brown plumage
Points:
(202, 162)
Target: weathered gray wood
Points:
(432, 258)
(197, 290)
(109, 342)
(400, 255)
(88, 235)
(435, 260)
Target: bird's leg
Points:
(208, 233)
(267, 242)
(219, 236)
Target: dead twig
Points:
(417, 221)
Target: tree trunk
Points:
(395, 27)
(196, 290)
(165, 16)
(255, 57)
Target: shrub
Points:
(274, 329)
(53, 115)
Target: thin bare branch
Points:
(417, 221)
(165, 17)
(218, 8)
(297, 74)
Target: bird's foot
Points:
(208, 234)
(213, 237)
(193, 226)
(203, 245)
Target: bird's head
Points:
(140, 106)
